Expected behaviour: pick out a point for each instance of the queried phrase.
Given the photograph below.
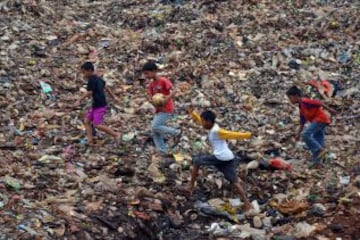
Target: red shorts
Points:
(96, 115)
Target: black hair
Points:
(88, 66)
(294, 91)
(150, 66)
(208, 116)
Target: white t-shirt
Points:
(220, 147)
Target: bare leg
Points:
(239, 190)
(107, 130)
(194, 174)
(89, 135)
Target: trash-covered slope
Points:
(235, 57)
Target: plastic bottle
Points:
(47, 90)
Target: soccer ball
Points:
(158, 100)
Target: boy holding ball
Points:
(164, 111)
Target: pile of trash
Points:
(235, 57)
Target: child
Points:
(96, 89)
(222, 157)
(163, 114)
(311, 111)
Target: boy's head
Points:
(87, 69)
(150, 70)
(294, 94)
(208, 119)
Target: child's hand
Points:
(190, 109)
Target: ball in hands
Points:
(158, 100)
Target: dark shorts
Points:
(228, 168)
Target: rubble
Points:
(237, 58)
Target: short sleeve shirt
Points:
(97, 86)
(162, 85)
(311, 110)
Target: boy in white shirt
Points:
(222, 158)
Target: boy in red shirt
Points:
(311, 111)
(164, 113)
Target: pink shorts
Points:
(96, 115)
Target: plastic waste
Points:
(67, 152)
(3, 200)
(13, 131)
(257, 222)
(185, 165)
(50, 158)
(27, 229)
(47, 90)
(235, 202)
(344, 57)
(247, 231)
(267, 221)
(207, 210)
(155, 173)
(345, 180)
(197, 145)
(279, 163)
(12, 128)
(318, 209)
(222, 229)
(128, 137)
(12, 183)
(303, 230)
(294, 64)
(104, 43)
(255, 210)
(252, 165)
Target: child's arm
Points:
(195, 116)
(85, 95)
(168, 86)
(301, 128)
(108, 90)
(171, 94)
(331, 110)
(228, 135)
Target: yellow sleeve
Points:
(227, 135)
(196, 117)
